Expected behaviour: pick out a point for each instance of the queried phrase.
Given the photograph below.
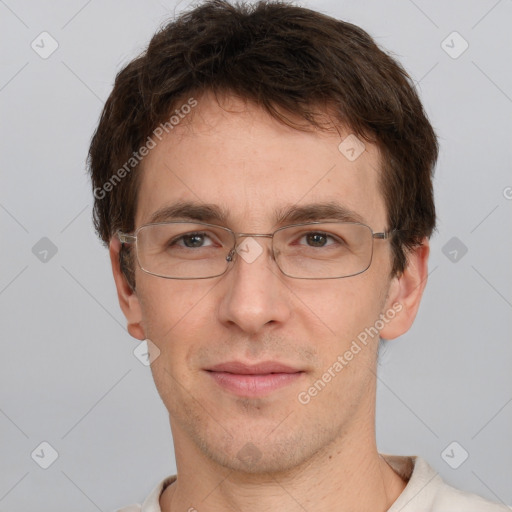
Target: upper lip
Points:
(262, 368)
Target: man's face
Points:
(239, 158)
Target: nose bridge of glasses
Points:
(252, 235)
(237, 236)
(266, 235)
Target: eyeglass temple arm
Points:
(385, 234)
(125, 238)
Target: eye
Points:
(318, 239)
(192, 240)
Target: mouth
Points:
(253, 380)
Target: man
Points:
(262, 177)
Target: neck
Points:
(347, 476)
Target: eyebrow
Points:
(289, 214)
(188, 210)
(315, 212)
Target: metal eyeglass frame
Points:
(131, 238)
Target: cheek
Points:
(176, 321)
(174, 312)
(347, 352)
(345, 307)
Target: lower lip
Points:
(254, 385)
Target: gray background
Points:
(68, 375)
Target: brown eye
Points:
(195, 240)
(316, 239)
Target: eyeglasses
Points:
(197, 250)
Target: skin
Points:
(321, 456)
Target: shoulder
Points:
(454, 500)
(152, 502)
(426, 491)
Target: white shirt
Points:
(425, 492)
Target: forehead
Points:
(255, 172)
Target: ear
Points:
(128, 299)
(405, 292)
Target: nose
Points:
(253, 293)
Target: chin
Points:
(250, 460)
(259, 455)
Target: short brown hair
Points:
(284, 58)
